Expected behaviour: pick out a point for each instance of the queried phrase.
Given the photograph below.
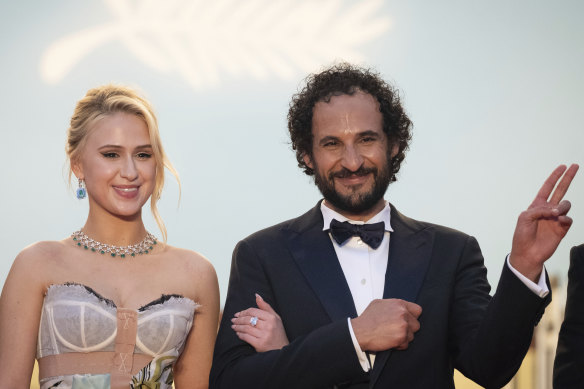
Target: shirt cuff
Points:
(540, 288)
(361, 355)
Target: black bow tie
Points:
(372, 234)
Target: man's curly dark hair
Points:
(340, 79)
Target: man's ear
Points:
(308, 161)
(394, 150)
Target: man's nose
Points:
(352, 158)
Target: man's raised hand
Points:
(542, 226)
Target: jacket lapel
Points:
(410, 250)
(315, 255)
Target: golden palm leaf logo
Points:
(205, 41)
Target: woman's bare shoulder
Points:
(190, 260)
(194, 271)
(36, 262)
(40, 253)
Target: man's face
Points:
(349, 154)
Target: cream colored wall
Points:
(34, 382)
(461, 382)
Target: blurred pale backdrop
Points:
(494, 89)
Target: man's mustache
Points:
(346, 173)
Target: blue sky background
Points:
(494, 90)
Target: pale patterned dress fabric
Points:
(77, 319)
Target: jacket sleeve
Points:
(490, 336)
(569, 362)
(321, 358)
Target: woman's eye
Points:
(144, 155)
(110, 155)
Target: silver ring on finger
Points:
(253, 321)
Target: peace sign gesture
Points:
(542, 226)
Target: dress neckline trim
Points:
(159, 301)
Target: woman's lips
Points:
(126, 191)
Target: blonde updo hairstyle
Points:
(107, 100)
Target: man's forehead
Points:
(347, 115)
(342, 107)
(356, 100)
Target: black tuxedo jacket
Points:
(293, 266)
(569, 363)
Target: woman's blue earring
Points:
(81, 192)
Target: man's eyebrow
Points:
(369, 133)
(327, 138)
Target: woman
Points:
(110, 305)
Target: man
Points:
(569, 363)
(401, 303)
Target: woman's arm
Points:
(192, 368)
(20, 311)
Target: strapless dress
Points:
(86, 342)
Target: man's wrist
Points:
(361, 355)
(538, 287)
(358, 331)
(527, 268)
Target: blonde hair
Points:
(107, 100)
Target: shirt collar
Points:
(383, 216)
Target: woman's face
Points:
(118, 165)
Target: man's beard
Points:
(355, 202)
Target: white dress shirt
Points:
(364, 269)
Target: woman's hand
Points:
(261, 327)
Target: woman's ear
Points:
(77, 169)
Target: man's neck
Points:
(361, 216)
